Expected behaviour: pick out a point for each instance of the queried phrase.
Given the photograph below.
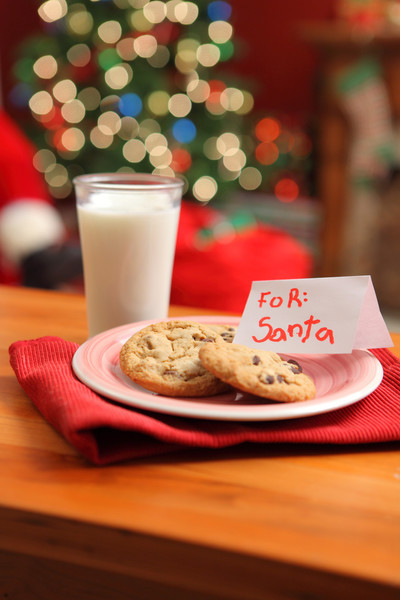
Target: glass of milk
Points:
(127, 227)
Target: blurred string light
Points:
(133, 85)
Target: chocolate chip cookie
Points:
(164, 358)
(227, 332)
(261, 373)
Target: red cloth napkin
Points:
(106, 432)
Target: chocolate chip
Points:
(256, 360)
(208, 340)
(170, 372)
(296, 368)
(269, 379)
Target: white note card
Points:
(326, 315)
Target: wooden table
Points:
(251, 522)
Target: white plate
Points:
(340, 380)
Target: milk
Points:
(128, 253)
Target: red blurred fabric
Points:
(217, 272)
(105, 432)
(19, 180)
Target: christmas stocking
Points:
(365, 101)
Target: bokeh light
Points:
(57, 175)
(45, 67)
(250, 178)
(108, 58)
(181, 160)
(110, 32)
(208, 55)
(119, 76)
(235, 161)
(198, 90)
(155, 11)
(160, 157)
(232, 99)
(179, 105)
(145, 45)
(248, 103)
(160, 58)
(184, 130)
(186, 55)
(41, 103)
(53, 10)
(90, 98)
(219, 11)
(126, 48)
(64, 90)
(100, 139)
(210, 148)
(227, 143)
(286, 190)
(155, 140)
(267, 153)
(220, 31)
(147, 127)
(267, 130)
(73, 111)
(158, 102)
(205, 188)
(79, 55)
(186, 12)
(79, 20)
(139, 21)
(73, 139)
(130, 105)
(129, 128)
(43, 160)
(109, 122)
(134, 151)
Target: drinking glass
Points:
(127, 227)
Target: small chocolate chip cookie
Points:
(164, 358)
(261, 373)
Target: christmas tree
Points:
(139, 85)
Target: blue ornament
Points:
(219, 10)
(184, 131)
(130, 105)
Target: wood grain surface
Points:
(255, 522)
